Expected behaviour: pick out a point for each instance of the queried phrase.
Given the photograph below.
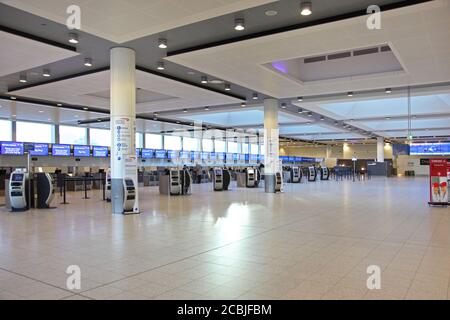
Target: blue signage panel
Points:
(61, 150)
(171, 154)
(81, 151)
(242, 156)
(194, 155)
(148, 153)
(39, 149)
(138, 153)
(213, 156)
(235, 156)
(430, 149)
(184, 155)
(204, 155)
(253, 157)
(160, 154)
(221, 156)
(100, 152)
(12, 148)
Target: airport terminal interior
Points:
(224, 150)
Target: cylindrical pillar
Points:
(329, 152)
(271, 143)
(123, 125)
(380, 149)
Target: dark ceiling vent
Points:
(385, 49)
(339, 55)
(315, 59)
(365, 51)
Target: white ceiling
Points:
(418, 35)
(81, 90)
(19, 53)
(125, 20)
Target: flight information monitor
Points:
(100, 152)
(39, 149)
(160, 154)
(12, 148)
(148, 153)
(81, 151)
(61, 150)
(430, 149)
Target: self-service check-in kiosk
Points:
(18, 191)
(221, 179)
(278, 182)
(296, 175)
(108, 186)
(324, 173)
(174, 182)
(251, 178)
(44, 190)
(129, 195)
(312, 174)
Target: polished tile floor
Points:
(315, 241)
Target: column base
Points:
(269, 183)
(117, 196)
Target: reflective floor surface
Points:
(314, 241)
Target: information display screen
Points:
(213, 156)
(242, 157)
(194, 155)
(172, 154)
(17, 177)
(235, 156)
(12, 148)
(81, 151)
(430, 149)
(61, 150)
(160, 154)
(39, 149)
(205, 155)
(253, 157)
(100, 152)
(138, 153)
(221, 156)
(184, 155)
(148, 153)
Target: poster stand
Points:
(439, 182)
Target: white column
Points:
(380, 149)
(329, 152)
(123, 124)
(271, 143)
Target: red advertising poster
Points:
(439, 182)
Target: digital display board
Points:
(230, 156)
(148, 153)
(430, 149)
(39, 149)
(242, 157)
(221, 156)
(160, 154)
(172, 154)
(204, 155)
(81, 151)
(100, 152)
(235, 156)
(253, 157)
(138, 153)
(184, 155)
(12, 148)
(194, 155)
(61, 150)
(213, 156)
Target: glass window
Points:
(6, 131)
(207, 145)
(153, 141)
(172, 143)
(233, 147)
(139, 140)
(254, 149)
(191, 144)
(100, 137)
(34, 132)
(72, 135)
(245, 148)
(220, 146)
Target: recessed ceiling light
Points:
(322, 118)
(239, 24)
(206, 108)
(300, 110)
(162, 43)
(300, 99)
(46, 73)
(388, 118)
(23, 78)
(204, 80)
(161, 65)
(388, 90)
(59, 104)
(227, 87)
(310, 114)
(243, 104)
(305, 8)
(40, 111)
(283, 106)
(85, 108)
(73, 38)
(185, 110)
(255, 96)
(99, 120)
(88, 62)
(350, 94)
(271, 13)
(13, 98)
